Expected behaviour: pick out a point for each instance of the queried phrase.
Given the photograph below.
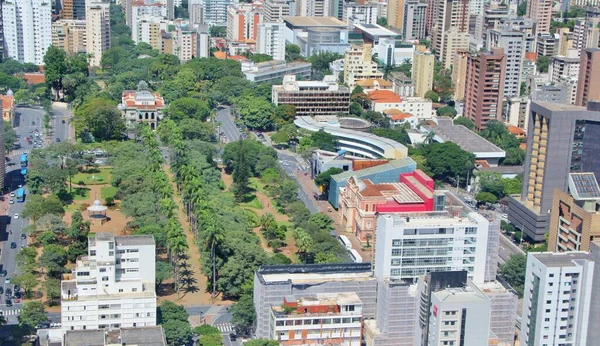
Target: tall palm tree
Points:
(214, 237)
(429, 137)
(177, 247)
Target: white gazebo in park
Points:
(97, 212)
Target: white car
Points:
(12, 194)
(11, 201)
(16, 216)
(504, 216)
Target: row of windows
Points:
(317, 321)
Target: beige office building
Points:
(395, 13)
(97, 22)
(358, 64)
(541, 12)
(459, 74)
(422, 70)
(70, 36)
(450, 29)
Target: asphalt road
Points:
(227, 124)
(26, 121)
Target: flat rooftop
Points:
(403, 162)
(559, 106)
(561, 259)
(314, 273)
(147, 336)
(465, 138)
(465, 294)
(375, 30)
(311, 22)
(130, 240)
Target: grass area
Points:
(257, 185)
(288, 224)
(80, 194)
(253, 219)
(251, 202)
(108, 192)
(93, 177)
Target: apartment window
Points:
(105, 278)
(132, 250)
(134, 290)
(92, 252)
(120, 290)
(111, 245)
(103, 307)
(102, 270)
(111, 253)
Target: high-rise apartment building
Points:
(203, 44)
(563, 67)
(414, 20)
(215, 11)
(395, 13)
(73, 9)
(422, 70)
(149, 29)
(459, 73)
(27, 29)
(450, 29)
(541, 12)
(411, 245)
(70, 36)
(575, 215)
(97, 25)
(186, 43)
(354, 13)
(484, 87)
(358, 64)
(113, 286)
(588, 85)
(561, 139)
(275, 10)
(196, 14)
(559, 298)
(312, 98)
(513, 44)
(242, 22)
(319, 8)
(271, 39)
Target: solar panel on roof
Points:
(586, 185)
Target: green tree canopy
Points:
(32, 314)
(324, 178)
(446, 111)
(432, 95)
(169, 311)
(188, 108)
(101, 118)
(324, 140)
(486, 197)
(514, 272)
(447, 161)
(257, 58)
(466, 122)
(397, 134)
(292, 52)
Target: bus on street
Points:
(21, 195)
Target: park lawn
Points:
(81, 194)
(252, 202)
(98, 177)
(108, 192)
(257, 185)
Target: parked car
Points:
(13, 245)
(23, 236)
(8, 303)
(3, 273)
(1, 290)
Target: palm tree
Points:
(214, 236)
(177, 246)
(429, 137)
(304, 242)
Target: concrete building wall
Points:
(588, 87)
(27, 29)
(97, 31)
(422, 70)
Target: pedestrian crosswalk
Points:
(14, 312)
(20, 152)
(224, 327)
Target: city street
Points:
(26, 121)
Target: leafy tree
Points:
(397, 134)
(241, 172)
(169, 311)
(514, 157)
(26, 259)
(447, 161)
(486, 197)
(37, 206)
(324, 140)
(283, 114)
(218, 31)
(512, 186)
(324, 178)
(47, 237)
(543, 62)
(320, 61)
(514, 272)
(292, 52)
(382, 21)
(28, 281)
(178, 332)
(205, 329)
(258, 58)
(53, 258)
(187, 107)
(466, 122)
(446, 111)
(163, 272)
(211, 340)
(99, 117)
(243, 314)
(491, 182)
(10, 136)
(261, 342)
(197, 129)
(522, 8)
(432, 95)
(256, 112)
(55, 67)
(32, 314)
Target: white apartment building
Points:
(275, 10)
(319, 8)
(196, 14)
(27, 29)
(186, 43)
(215, 11)
(408, 246)
(97, 23)
(558, 299)
(563, 67)
(421, 108)
(147, 13)
(360, 13)
(271, 40)
(148, 29)
(203, 44)
(242, 22)
(513, 43)
(113, 287)
(322, 318)
(413, 27)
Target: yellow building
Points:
(395, 13)
(70, 35)
(459, 74)
(358, 65)
(422, 70)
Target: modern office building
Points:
(588, 85)
(354, 141)
(575, 215)
(414, 20)
(361, 201)
(559, 298)
(450, 28)
(321, 318)
(243, 21)
(275, 10)
(513, 44)
(561, 139)
(27, 29)
(70, 36)
(273, 283)
(147, 336)
(484, 87)
(311, 98)
(410, 245)
(113, 286)
(422, 70)
(317, 34)
(541, 12)
(275, 70)
(97, 25)
(142, 106)
(270, 39)
(359, 64)
(73, 9)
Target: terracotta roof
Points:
(369, 83)
(400, 192)
(223, 55)
(523, 146)
(532, 56)
(8, 102)
(517, 131)
(384, 96)
(481, 163)
(33, 78)
(396, 114)
(128, 100)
